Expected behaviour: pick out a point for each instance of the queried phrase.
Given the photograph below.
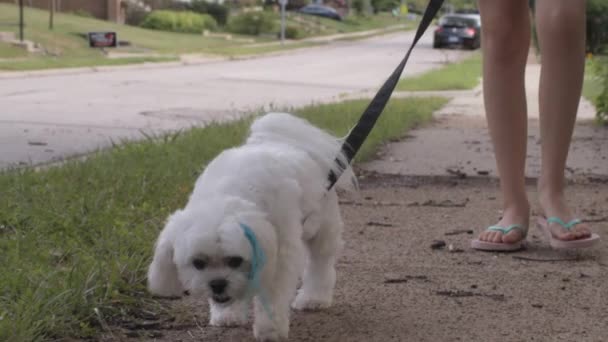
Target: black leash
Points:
(371, 114)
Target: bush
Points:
(252, 23)
(597, 25)
(187, 22)
(217, 11)
(359, 6)
(136, 13)
(384, 5)
(296, 4)
(292, 32)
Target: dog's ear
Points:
(163, 279)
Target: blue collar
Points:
(258, 260)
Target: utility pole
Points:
(283, 3)
(21, 20)
(51, 13)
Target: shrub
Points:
(384, 5)
(292, 32)
(296, 4)
(187, 22)
(597, 25)
(217, 11)
(136, 13)
(252, 23)
(359, 6)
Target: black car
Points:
(458, 30)
(321, 11)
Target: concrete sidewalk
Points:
(460, 142)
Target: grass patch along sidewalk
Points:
(462, 75)
(593, 83)
(595, 86)
(76, 239)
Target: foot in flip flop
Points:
(507, 235)
(561, 227)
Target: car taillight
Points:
(470, 32)
(439, 29)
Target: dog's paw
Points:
(267, 333)
(228, 319)
(227, 322)
(305, 302)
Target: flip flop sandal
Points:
(501, 246)
(543, 224)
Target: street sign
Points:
(103, 39)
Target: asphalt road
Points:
(47, 117)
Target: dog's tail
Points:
(320, 145)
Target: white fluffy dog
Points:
(259, 217)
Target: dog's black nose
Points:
(218, 285)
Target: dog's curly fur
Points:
(276, 184)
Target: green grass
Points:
(595, 86)
(455, 76)
(9, 51)
(76, 239)
(592, 85)
(67, 49)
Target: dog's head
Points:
(217, 249)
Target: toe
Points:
(562, 234)
(497, 237)
(577, 234)
(513, 237)
(582, 231)
(484, 236)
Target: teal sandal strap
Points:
(559, 221)
(506, 230)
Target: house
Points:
(111, 10)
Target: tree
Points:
(51, 13)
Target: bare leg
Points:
(505, 44)
(561, 33)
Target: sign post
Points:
(283, 3)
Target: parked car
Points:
(321, 11)
(462, 30)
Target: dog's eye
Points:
(235, 262)
(199, 264)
